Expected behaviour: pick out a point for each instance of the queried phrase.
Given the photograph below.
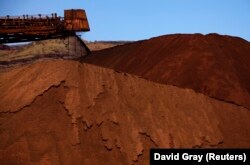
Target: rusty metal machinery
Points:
(37, 27)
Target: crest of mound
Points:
(215, 65)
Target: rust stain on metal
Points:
(37, 27)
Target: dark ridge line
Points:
(140, 77)
(83, 44)
(35, 98)
(80, 59)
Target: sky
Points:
(143, 19)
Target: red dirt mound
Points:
(66, 112)
(215, 65)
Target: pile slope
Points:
(66, 47)
(66, 112)
(215, 65)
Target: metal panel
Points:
(74, 14)
(76, 20)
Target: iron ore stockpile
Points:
(215, 65)
(173, 91)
